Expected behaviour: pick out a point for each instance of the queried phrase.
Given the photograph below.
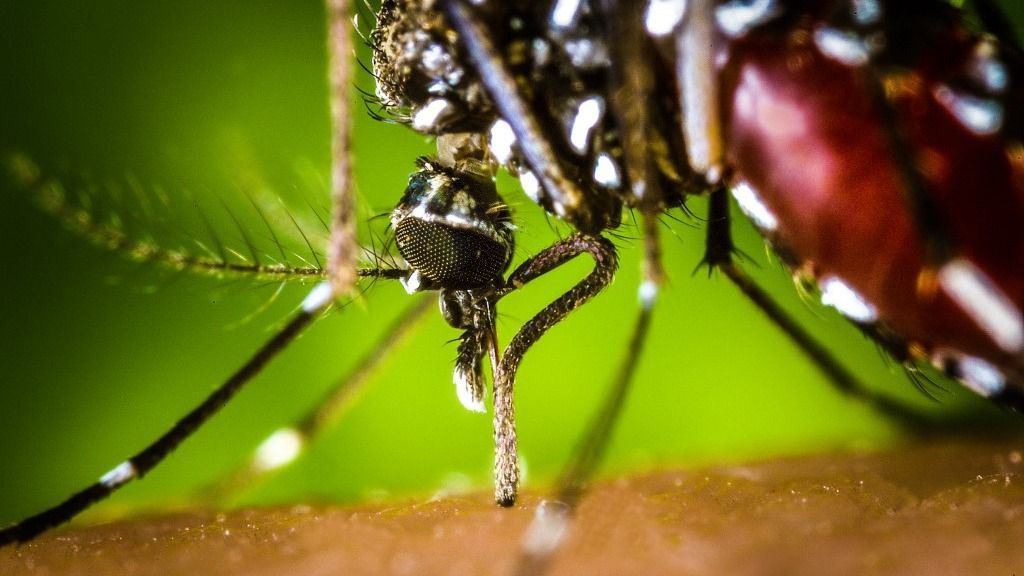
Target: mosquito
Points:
(450, 68)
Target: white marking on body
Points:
(438, 87)
(420, 211)
(738, 17)
(588, 114)
(468, 390)
(586, 54)
(119, 475)
(463, 221)
(462, 203)
(987, 69)
(606, 171)
(662, 16)
(457, 218)
(866, 12)
(279, 449)
(982, 116)
(531, 186)
(541, 52)
(563, 15)
(843, 47)
(318, 298)
(548, 529)
(412, 282)
(751, 205)
(989, 307)
(426, 117)
(980, 376)
(849, 302)
(501, 139)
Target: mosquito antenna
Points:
(141, 463)
(249, 245)
(305, 238)
(270, 229)
(78, 218)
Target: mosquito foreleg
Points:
(506, 465)
(566, 194)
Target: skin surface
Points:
(945, 507)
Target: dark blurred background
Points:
(162, 114)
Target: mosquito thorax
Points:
(420, 70)
(452, 228)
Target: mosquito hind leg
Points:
(719, 253)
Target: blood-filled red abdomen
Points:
(809, 148)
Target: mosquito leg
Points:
(344, 246)
(698, 89)
(632, 83)
(718, 255)
(285, 444)
(138, 465)
(506, 466)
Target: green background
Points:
(209, 101)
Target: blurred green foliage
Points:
(209, 101)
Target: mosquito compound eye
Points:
(453, 228)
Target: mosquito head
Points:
(420, 71)
(452, 228)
